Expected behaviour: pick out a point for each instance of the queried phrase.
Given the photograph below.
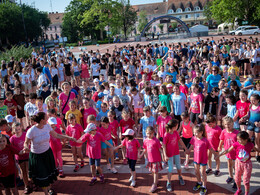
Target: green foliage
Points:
(142, 21)
(231, 10)
(11, 24)
(160, 27)
(17, 52)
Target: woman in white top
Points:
(26, 81)
(253, 60)
(42, 168)
(54, 75)
(247, 56)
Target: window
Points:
(187, 16)
(187, 9)
(197, 15)
(197, 8)
(179, 10)
(55, 27)
(170, 11)
(178, 17)
(50, 28)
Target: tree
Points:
(234, 10)
(142, 20)
(161, 27)
(128, 16)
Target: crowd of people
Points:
(143, 100)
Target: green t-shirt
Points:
(159, 63)
(3, 111)
(165, 101)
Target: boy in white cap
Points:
(132, 152)
(94, 140)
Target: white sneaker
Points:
(114, 170)
(133, 183)
(186, 166)
(108, 166)
(130, 179)
(117, 158)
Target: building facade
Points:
(190, 12)
(53, 32)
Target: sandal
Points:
(27, 190)
(51, 192)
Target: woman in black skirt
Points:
(42, 169)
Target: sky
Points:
(60, 5)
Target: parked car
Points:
(232, 32)
(252, 30)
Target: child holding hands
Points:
(132, 152)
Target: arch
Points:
(183, 24)
(187, 9)
(179, 10)
(197, 8)
(170, 11)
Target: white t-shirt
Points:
(30, 108)
(25, 79)
(42, 78)
(54, 71)
(44, 108)
(95, 68)
(40, 138)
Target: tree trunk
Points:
(101, 35)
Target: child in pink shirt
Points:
(196, 104)
(94, 140)
(132, 146)
(243, 165)
(153, 148)
(213, 134)
(162, 120)
(56, 145)
(201, 146)
(186, 128)
(106, 131)
(17, 140)
(229, 136)
(76, 131)
(171, 151)
(114, 125)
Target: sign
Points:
(244, 22)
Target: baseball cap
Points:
(52, 121)
(169, 86)
(90, 127)
(129, 132)
(96, 80)
(100, 95)
(9, 118)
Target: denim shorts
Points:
(201, 164)
(93, 161)
(104, 145)
(177, 161)
(251, 127)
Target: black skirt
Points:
(42, 168)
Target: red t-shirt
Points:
(10, 104)
(149, 75)
(243, 151)
(126, 124)
(213, 136)
(95, 96)
(86, 113)
(55, 143)
(131, 148)
(114, 125)
(161, 122)
(171, 142)
(195, 103)
(7, 163)
(229, 139)
(74, 132)
(106, 132)
(242, 108)
(184, 89)
(18, 143)
(152, 147)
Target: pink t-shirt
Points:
(195, 106)
(229, 139)
(201, 147)
(114, 125)
(161, 122)
(74, 132)
(18, 142)
(129, 124)
(59, 122)
(243, 151)
(171, 142)
(184, 89)
(93, 149)
(106, 132)
(55, 143)
(86, 113)
(131, 148)
(187, 131)
(213, 135)
(242, 108)
(152, 146)
(63, 98)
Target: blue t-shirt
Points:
(212, 81)
(215, 63)
(231, 112)
(101, 114)
(251, 92)
(178, 103)
(173, 74)
(238, 83)
(147, 122)
(98, 105)
(147, 100)
(47, 72)
(165, 50)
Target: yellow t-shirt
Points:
(77, 113)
